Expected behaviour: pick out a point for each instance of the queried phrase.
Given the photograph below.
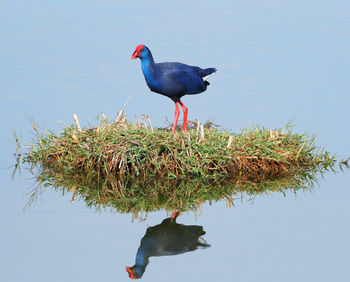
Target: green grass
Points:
(138, 196)
(135, 168)
(125, 149)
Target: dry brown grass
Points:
(122, 148)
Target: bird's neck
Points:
(148, 58)
(141, 261)
(148, 65)
(143, 253)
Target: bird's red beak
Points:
(130, 270)
(136, 53)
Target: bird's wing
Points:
(190, 80)
(179, 78)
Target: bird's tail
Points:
(206, 73)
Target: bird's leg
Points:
(177, 114)
(184, 108)
(176, 213)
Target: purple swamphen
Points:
(173, 80)
(165, 239)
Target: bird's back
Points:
(170, 238)
(176, 79)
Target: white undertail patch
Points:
(201, 240)
(206, 77)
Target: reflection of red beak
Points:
(130, 270)
(136, 53)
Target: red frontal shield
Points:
(130, 270)
(136, 53)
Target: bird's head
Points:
(135, 272)
(131, 271)
(141, 51)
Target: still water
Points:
(277, 61)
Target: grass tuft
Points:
(123, 149)
(133, 167)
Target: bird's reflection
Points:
(167, 238)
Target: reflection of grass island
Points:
(124, 149)
(137, 195)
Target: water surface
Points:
(277, 61)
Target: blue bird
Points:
(173, 80)
(165, 239)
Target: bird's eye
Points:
(142, 49)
